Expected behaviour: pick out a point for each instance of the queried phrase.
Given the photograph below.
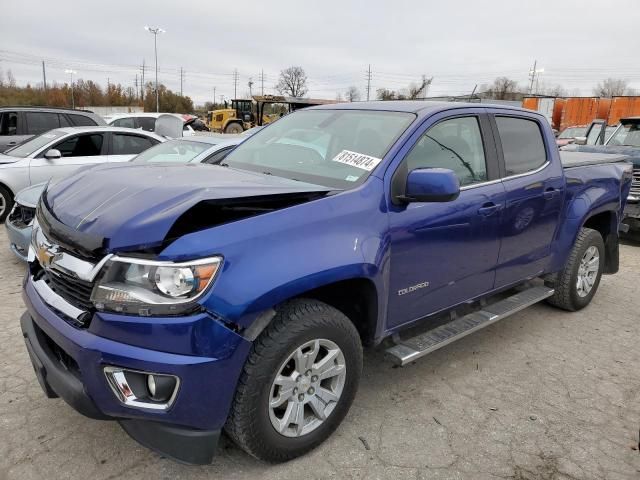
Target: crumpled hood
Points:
(135, 206)
(29, 196)
(632, 152)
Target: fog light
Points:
(141, 389)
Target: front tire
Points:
(6, 203)
(298, 383)
(234, 128)
(578, 282)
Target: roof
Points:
(106, 128)
(630, 119)
(300, 101)
(43, 108)
(115, 116)
(411, 106)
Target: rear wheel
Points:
(578, 282)
(6, 202)
(298, 382)
(234, 128)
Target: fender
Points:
(267, 260)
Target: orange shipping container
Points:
(530, 103)
(558, 108)
(622, 107)
(579, 111)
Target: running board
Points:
(406, 351)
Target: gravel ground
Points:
(543, 395)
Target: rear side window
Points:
(82, 120)
(81, 146)
(147, 123)
(127, 122)
(64, 121)
(8, 123)
(130, 144)
(40, 122)
(522, 144)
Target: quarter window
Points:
(128, 122)
(130, 144)
(8, 123)
(81, 146)
(455, 144)
(82, 120)
(522, 144)
(40, 122)
(147, 123)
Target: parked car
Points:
(61, 151)
(145, 121)
(208, 149)
(19, 124)
(568, 135)
(184, 300)
(625, 140)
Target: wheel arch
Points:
(606, 223)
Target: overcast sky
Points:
(460, 43)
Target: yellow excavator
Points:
(246, 114)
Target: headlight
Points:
(147, 287)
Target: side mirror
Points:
(580, 140)
(52, 154)
(431, 185)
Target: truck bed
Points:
(580, 159)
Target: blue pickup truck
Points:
(184, 301)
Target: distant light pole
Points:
(71, 72)
(156, 31)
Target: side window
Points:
(81, 146)
(8, 123)
(147, 123)
(82, 120)
(218, 156)
(594, 133)
(40, 122)
(64, 121)
(128, 122)
(130, 144)
(522, 144)
(455, 144)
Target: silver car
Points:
(201, 149)
(59, 152)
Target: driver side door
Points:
(77, 151)
(443, 254)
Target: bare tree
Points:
(612, 87)
(502, 88)
(385, 94)
(292, 82)
(416, 91)
(353, 94)
(11, 80)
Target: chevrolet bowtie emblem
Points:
(46, 255)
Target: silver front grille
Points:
(635, 182)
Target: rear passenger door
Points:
(125, 146)
(77, 151)
(534, 187)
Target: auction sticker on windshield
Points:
(358, 160)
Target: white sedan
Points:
(59, 152)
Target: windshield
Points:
(173, 151)
(334, 148)
(628, 135)
(573, 132)
(36, 143)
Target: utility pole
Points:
(235, 83)
(137, 91)
(368, 82)
(262, 82)
(534, 74)
(181, 74)
(250, 84)
(73, 101)
(108, 89)
(214, 97)
(155, 32)
(44, 77)
(142, 86)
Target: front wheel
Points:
(6, 202)
(578, 282)
(234, 128)
(298, 382)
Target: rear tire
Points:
(578, 282)
(262, 402)
(6, 202)
(234, 128)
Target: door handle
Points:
(488, 209)
(549, 193)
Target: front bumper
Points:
(69, 362)
(19, 239)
